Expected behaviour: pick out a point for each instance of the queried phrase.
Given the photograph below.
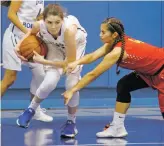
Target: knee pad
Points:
(48, 85)
(72, 80)
(163, 115)
(44, 90)
(123, 94)
(74, 101)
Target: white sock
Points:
(72, 117)
(34, 105)
(118, 118)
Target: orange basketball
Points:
(30, 44)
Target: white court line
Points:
(114, 144)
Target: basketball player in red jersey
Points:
(146, 60)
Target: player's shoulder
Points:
(70, 18)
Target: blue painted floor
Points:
(144, 125)
(89, 98)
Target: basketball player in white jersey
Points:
(66, 41)
(22, 15)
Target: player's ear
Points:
(115, 35)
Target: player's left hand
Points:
(17, 52)
(38, 58)
(67, 96)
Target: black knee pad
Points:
(163, 115)
(123, 94)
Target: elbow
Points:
(10, 15)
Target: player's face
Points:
(105, 35)
(53, 24)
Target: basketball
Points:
(30, 44)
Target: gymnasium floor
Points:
(145, 127)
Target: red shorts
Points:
(156, 82)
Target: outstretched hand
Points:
(71, 66)
(67, 96)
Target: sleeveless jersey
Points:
(142, 57)
(59, 41)
(27, 14)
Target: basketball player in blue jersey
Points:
(22, 15)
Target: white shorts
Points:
(10, 59)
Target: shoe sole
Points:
(42, 120)
(122, 136)
(17, 121)
(70, 135)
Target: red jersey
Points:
(142, 57)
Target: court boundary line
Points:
(115, 144)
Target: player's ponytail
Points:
(115, 25)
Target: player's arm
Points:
(70, 43)
(40, 59)
(12, 15)
(35, 29)
(89, 58)
(109, 60)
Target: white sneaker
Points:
(113, 131)
(41, 116)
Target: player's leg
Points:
(161, 101)
(47, 86)
(11, 63)
(38, 74)
(125, 85)
(70, 129)
(72, 79)
(8, 79)
(160, 86)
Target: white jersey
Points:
(59, 42)
(27, 14)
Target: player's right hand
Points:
(67, 96)
(17, 51)
(71, 66)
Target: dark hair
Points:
(5, 3)
(115, 25)
(53, 9)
